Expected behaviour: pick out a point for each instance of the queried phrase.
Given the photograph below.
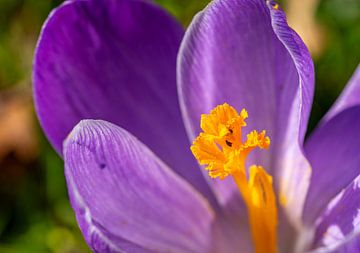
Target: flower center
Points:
(221, 149)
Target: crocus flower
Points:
(132, 180)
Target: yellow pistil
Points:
(221, 149)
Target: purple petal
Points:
(293, 169)
(114, 60)
(126, 199)
(242, 52)
(338, 228)
(351, 245)
(348, 98)
(333, 151)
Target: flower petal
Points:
(349, 245)
(243, 53)
(352, 244)
(348, 98)
(333, 151)
(338, 228)
(294, 170)
(114, 60)
(126, 199)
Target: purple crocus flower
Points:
(132, 180)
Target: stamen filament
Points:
(262, 210)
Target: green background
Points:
(35, 215)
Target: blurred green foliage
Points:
(341, 20)
(20, 22)
(35, 215)
(183, 10)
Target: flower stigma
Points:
(221, 149)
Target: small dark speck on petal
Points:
(228, 143)
(102, 166)
(281, 87)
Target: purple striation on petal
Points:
(338, 228)
(242, 52)
(114, 60)
(333, 151)
(348, 98)
(127, 200)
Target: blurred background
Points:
(35, 214)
